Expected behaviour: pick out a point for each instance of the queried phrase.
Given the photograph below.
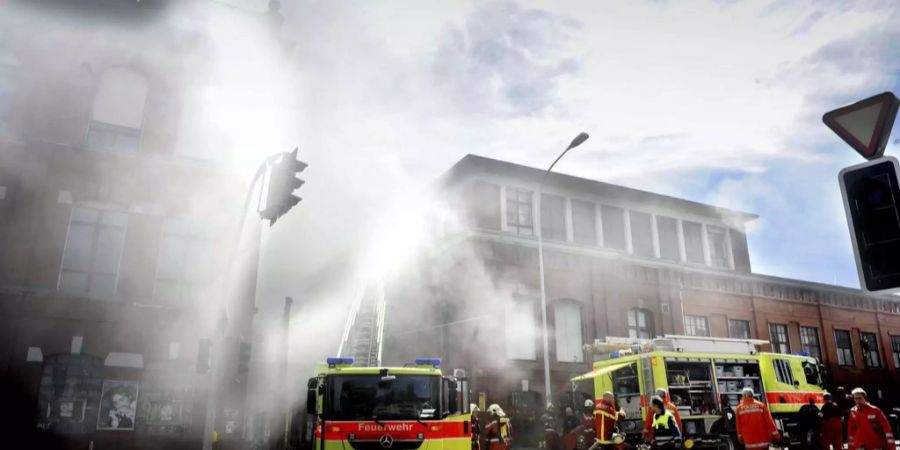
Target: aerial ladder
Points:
(364, 330)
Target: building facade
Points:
(116, 227)
(618, 262)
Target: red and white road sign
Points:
(865, 125)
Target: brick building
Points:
(619, 262)
(113, 233)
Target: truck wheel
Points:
(728, 443)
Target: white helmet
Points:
(588, 403)
(495, 409)
(473, 407)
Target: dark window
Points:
(640, 324)
(895, 349)
(871, 353)
(519, 211)
(405, 397)
(484, 205)
(613, 220)
(844, 348)
(693, 242)
(668, 238)
(778, 336)
(738, 329)
(809, 342)
(584, 222)
(718, 246)
(641, 234)
(696, 326)
(783, 371)
(553, 217)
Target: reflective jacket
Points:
(648, 424)
(605, 416)
(869, 429)
(665, 428)
(755, 426)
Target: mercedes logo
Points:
(386, 441)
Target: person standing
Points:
(648, 424)
(755, 427)
(664, 430)
(606, 418)
(476, 427)
(570, 422)
(551, 436)
(810, 424)
(832, 425)
(868, 427)
(498, 431)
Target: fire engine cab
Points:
(388, 408)
(704, 378)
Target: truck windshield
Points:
(369, 397)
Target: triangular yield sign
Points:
(866, 124)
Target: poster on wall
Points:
(118, 403)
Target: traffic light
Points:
(244, 353)
(283, 182)
(872, 202)
(203, 355)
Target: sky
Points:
(714, 101)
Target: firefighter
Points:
(755, 427)
(476, 427)
(664, 429)
(832, 426)
(606, 418)
(810, 424)
(648, 424)
(499, 431)
(868, 427)
(551, 436)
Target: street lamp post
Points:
(575, 143)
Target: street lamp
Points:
(575, 143)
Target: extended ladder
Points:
(363, 333)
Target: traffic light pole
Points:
(228, 326)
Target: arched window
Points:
(118, 111)
(568, 327)
(640, 324)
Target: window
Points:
(844, 348)
(483, 201)
(895, 350)
(696, 326)
(693, 242)
(718, 246)
(613, 220)
(520, 329)
(519, 211)
(641, 234)
(783, 371)
(184, 260)
(118, 111)
(778, 336)
(667, 228)
(584, 222)
(553, 217)
(871, 353)
(640, 324)
(738, 329)
(567, 316)
(809, 342)
(94, 243)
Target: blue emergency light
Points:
(339, 362)
(615, 354)
(803, 354)
(428, 362)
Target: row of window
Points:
(611, 227)
(809, 340)
(93, 251)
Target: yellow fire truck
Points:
(704, 378)
(388, 408)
